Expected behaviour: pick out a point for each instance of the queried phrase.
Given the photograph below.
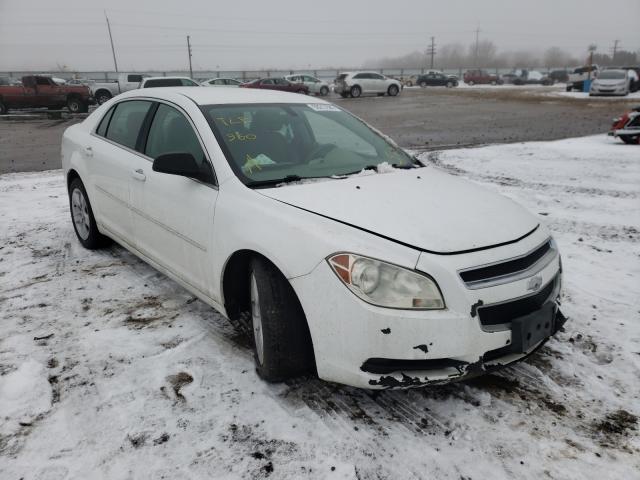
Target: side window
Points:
(126, 122)
(188, 83)
(171, 132)
(375, 76)
(42, 81)
(218, 82)
(134, 78)
(360, 76)
(268, 81)
(102, 128)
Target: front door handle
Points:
(88, 151)
(139, 175)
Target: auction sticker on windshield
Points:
(323, 107)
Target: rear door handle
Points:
(139, 175)
(88, 151)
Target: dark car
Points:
(281, 84)
(437, 79)
(471, 77)
(559, 75)
(530, 77)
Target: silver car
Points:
(612, 82)
(221, 82)
(316, 86)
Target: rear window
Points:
(163, 82)
(126, 121)
(104, 124)
(134, 78)
(342, 76)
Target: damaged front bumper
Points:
(481, 329)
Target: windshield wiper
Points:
(274, 181)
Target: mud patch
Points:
(178, 381)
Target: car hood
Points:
(423, 208)
(610, 83)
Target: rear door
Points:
(173, 215)
(114, 158)
(377, 83)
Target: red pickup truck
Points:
(40, 91)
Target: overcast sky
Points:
(228, 35)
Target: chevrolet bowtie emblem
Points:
(534, 283)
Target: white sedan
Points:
(350, 258)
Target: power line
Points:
(431, 50)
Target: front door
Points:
(173, 215)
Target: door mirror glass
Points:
(182, 164)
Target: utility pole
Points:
(477, 44)
(113, 50)
(615, 49)
(431, 50)
(189, 50)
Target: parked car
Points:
(634, 73)
(105, 91)
(472, 77)
(316, 86)
(437, 79)
(40, 91)
(613, 82)
(341, 275)
(627, 127)
(221, 82)
(527, 77)
(355, 84)
(408, 80)
(280, 84)
(559, 76)
(579, 75)
(155, 82)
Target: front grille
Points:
(509, 267)
(502, 313)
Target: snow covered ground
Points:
(110, 370)
(585, 96)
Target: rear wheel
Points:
(450, 85)
(103, 96)
(84, 223)
(470, 83)
(282, 342)
(302, 91)
(393, 90)
(355, 91)
(324, 91)
(493, 82)
(569, 88)
(423, 84)
(3, 109)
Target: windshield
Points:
(269, 143)
(612, 75)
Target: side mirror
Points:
(182, 164)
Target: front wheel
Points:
(471, 83)
(75, 105)
(393, 90)
(282, 343)
(324, 91)
(630, 139)
(84, 223)
(102, 97)
(450, 85)
(3, 109)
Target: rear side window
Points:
(102, 128)
(126, 121)
(134, 78)
(161, 82)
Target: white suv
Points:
(356, 84)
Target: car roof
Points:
(215, 96)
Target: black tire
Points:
(450, 84)
(494, 82)
(344, 95)
(409, 83)
(569, 88)
(355, 91)
(75, 105)
(393, 90)
(423, 84)
(287, 346)
(103, 96)
(95, 239)
(302, 91)
(3, 109)
(630, 139)
(471, 83)
(324, 91)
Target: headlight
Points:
(386, 285)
